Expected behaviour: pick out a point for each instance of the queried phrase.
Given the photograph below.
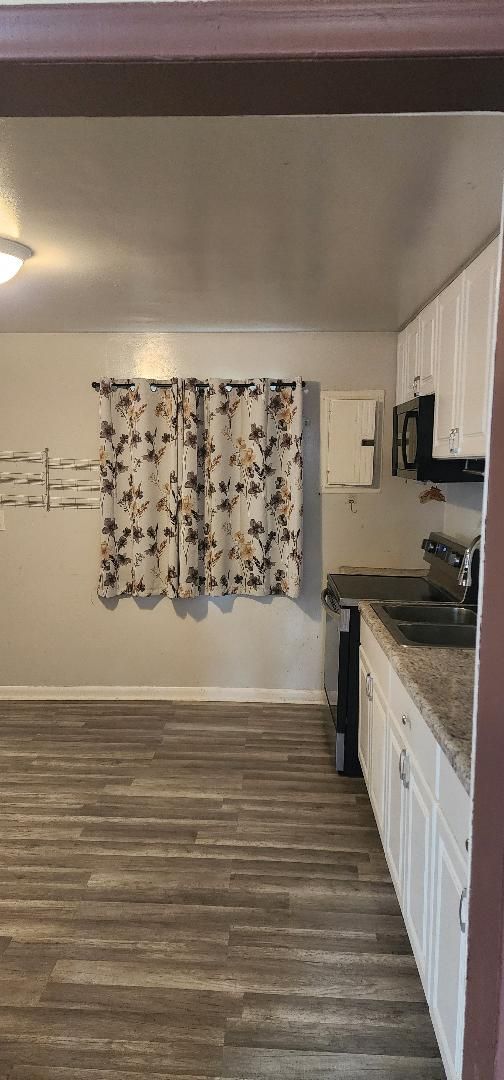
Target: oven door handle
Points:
(334, 611)
(339, 613)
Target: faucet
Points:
(465, 574)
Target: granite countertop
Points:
(441, 684)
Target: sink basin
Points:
(443, 637)
(434, 614)
(441, 626)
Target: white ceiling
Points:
(332, 223)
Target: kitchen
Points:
(401, 365)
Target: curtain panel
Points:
(202, 489)
(139, 491)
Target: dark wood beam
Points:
(224, 29)
(244, 88)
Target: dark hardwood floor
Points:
(189, 891)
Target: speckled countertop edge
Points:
(441, 684)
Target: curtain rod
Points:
(129, 384)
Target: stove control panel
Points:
(446, 558)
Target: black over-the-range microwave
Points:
(412, 447)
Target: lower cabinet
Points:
(449, 938)
(372, 733)
(395, 813)
(378, 732)
(408, 842)
(415, 794)
(417, 865)
(364, 714)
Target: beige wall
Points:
(56, 632)
(463, 510)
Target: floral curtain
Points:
(139, 490)
(241, 489)
(201, 489)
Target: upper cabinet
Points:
(446, 368)
(448, 349)
(408, 361)
(427, 342)
(477, 347)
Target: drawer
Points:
(454, 803)
(418, 738)
(379, 664)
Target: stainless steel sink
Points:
(442, 637)
(435, 614)
(442, 626)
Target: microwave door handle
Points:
(410, 414)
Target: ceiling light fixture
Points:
(12, 256)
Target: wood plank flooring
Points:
(190, 891)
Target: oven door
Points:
(332, 647)
(335, 674)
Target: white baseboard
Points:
(161, 693)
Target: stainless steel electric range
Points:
(452, 576)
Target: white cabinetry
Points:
(401, 368)
(378, 740)
(372, 736)
(394, 818)
(364, 714)
(408, 362)
(427, 345)
(464, 359)
(448, 960)
(476, 352)
(422, 812)
(445, 369)
(412, 766)
(417, 863)
(448, 350)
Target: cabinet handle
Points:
(406, 770)
(369, 685)
(402, 756)
(404, 719)
(454, 435)
(416, 386)
(462, 924)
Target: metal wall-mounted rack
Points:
(47, 482)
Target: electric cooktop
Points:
(349, 589)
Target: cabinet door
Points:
(417, 865)
(448, 958)
(446, 367)
(401, 373)
(378, 730)
(476, 352)
(412, 360)
(364, 715)
(427, 343)
(394, 823)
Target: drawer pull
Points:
(404, 719)
(462, 924)
(402, 757)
